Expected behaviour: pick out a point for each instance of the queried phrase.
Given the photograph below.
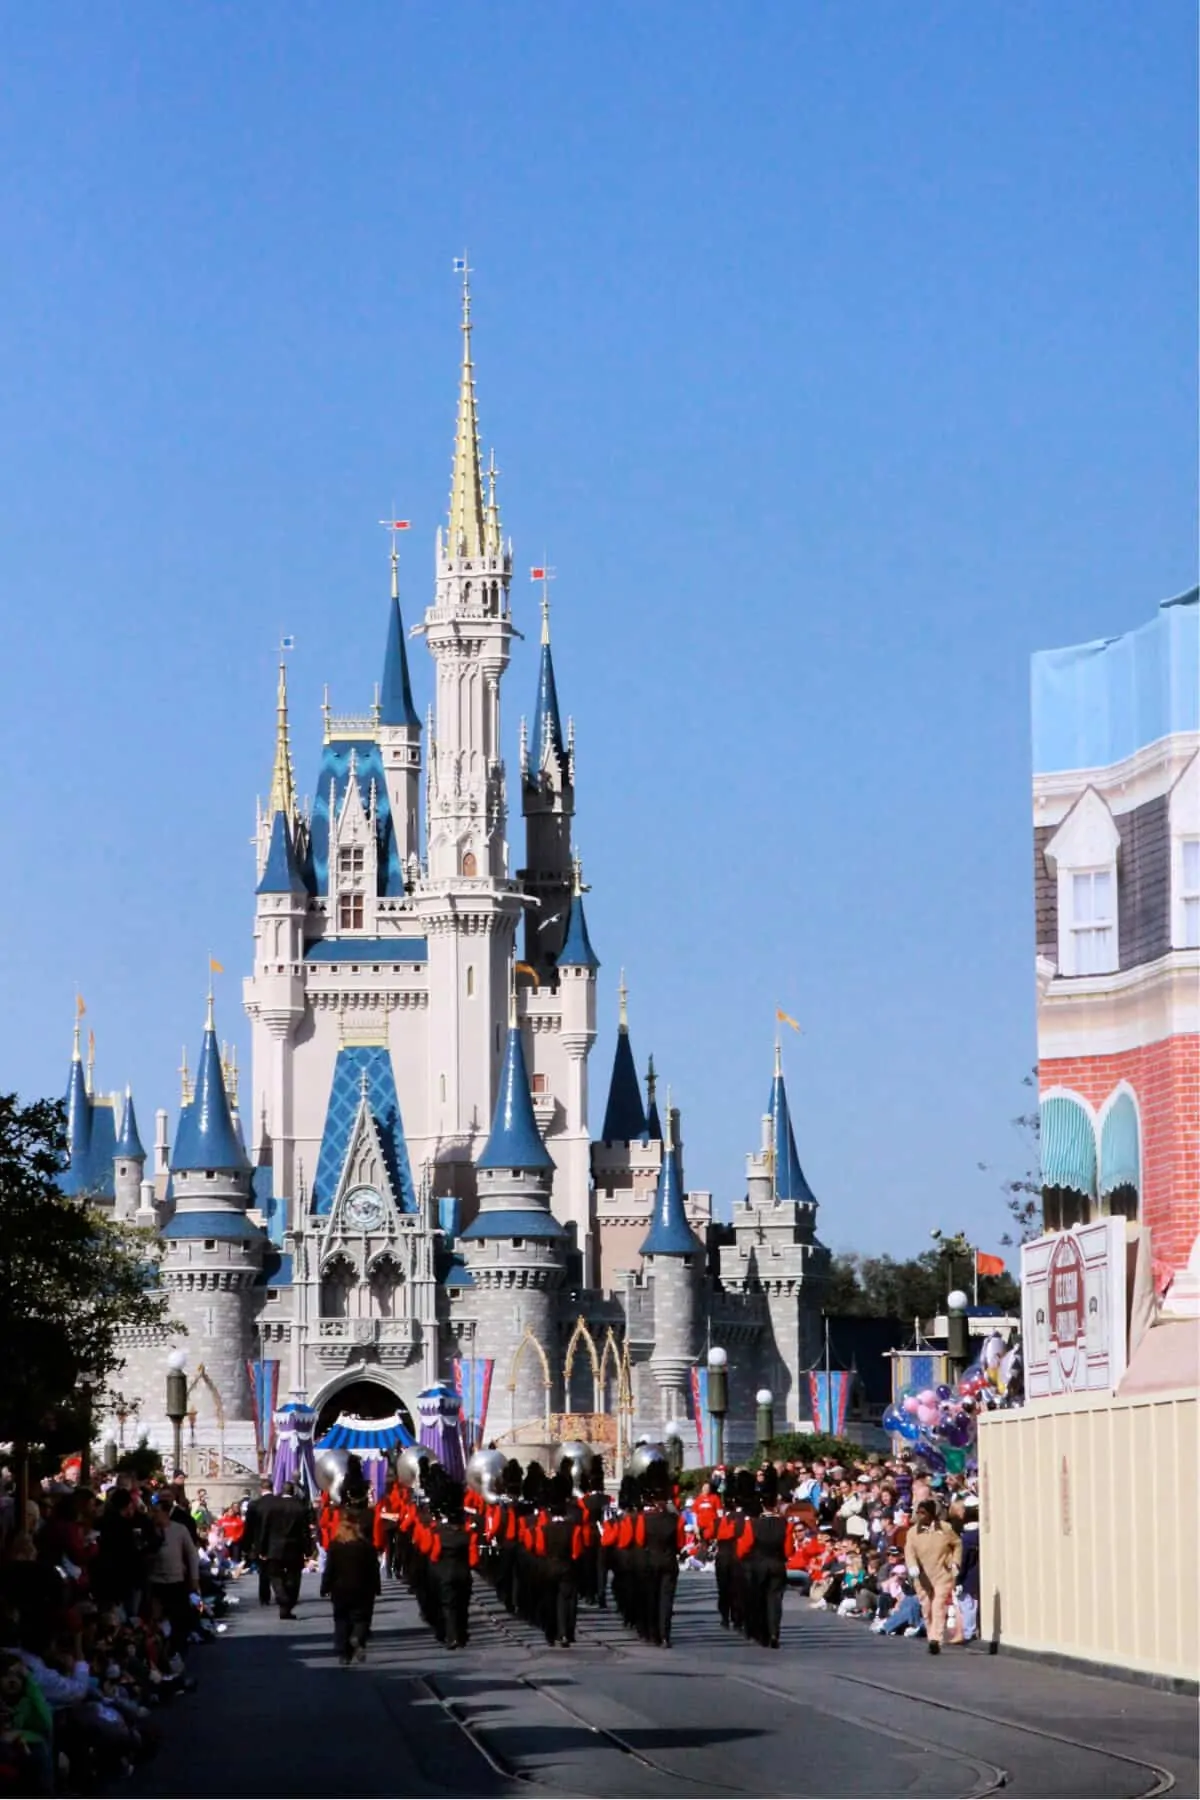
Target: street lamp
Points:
(673, 1445)
(177, 1405)
(718, 1401)
(958, 1345)
(764, 1429)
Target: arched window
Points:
(384, 1291)
(470, 981)
(338, 1281)
(469, 865)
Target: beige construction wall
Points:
(1089, 1529)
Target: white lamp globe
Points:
(717, 1357)
(957, 1301)
(764, 1397)
(673, 1429)
(177, 1359)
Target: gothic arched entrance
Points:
(363, 1397)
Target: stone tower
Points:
(466, 905)
(129, 1165)
(515, 1248)
(212, 1252)
(776, 1252)
(674, 1262)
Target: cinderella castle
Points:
(411, 1189)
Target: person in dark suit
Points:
(251, 1545)
(285, 1541)
(351, 1581)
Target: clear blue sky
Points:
(838, 357)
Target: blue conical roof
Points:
(129, 1144)
(206, 1138)
(281, 872)
(79, 1132)
(788, 1175)
(577, 952)
(395, 690)
(515, 1141)
(669, 1233)
(547, 725)
(624, 1116)
(653, 1122)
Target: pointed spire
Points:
(653, 1122)
(787, 1175)
(395, 693)
(185, 1081)
(624, 1116)
(79, 1125)
(577, 952)
(283, 784)
(515, 1141)
(547, 733)
(129, 1143)
(466, 487)
(669, 1233)
(206, 1138)
(90, 1083)
(281, 871)
(493, 508)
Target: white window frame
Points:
(1086, 843)
(1184, 814)
(1083, 959)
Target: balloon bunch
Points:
(940, 1422)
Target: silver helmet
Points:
(644, 1458)
(579, 1458)
(332, 1468)
(485, 1473)
(408, 1466)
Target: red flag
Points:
(988, 1265)
(537, 574)
(396, 524)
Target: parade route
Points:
(834, 1712)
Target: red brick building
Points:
(1116, 815)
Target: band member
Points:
(453, 1553)
(659, 1537)
(762, 1555)
(560, 1543)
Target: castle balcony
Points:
(393, 1339)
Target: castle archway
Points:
(363, 1396)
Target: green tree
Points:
(70, 1279)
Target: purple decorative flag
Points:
(473, 1381)
(438, 1411)
(294, 1426)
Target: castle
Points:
(412, 1188)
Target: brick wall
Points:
(1165, 1078)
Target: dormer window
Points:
(1188, 906)
(1093, 922)
(351, 880)
(1082, 855)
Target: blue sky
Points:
(837, 357)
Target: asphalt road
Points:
(835, 1711)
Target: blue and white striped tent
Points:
(368, 1439)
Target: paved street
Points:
(835, 1712)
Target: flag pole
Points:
(828, 1382)
(975, 1255)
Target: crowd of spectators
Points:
(879, 1541)
(103, 1592)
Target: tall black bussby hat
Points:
(627, 1493)
(512, 1478)
(534, 1484)
(560, 1490)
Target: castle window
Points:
(442, 1086)
(351, 866)
(210, 1243)
(470, 981)
(518, 1243)
(470, 867)
(539, 1084)
(350, 912)
(272, 1293)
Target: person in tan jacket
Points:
(932, 1551)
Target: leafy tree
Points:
(70, 1278)
(883, 1287)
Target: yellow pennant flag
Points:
(80, 1008)
(216, 967)
(787, 1019)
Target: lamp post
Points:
(177, 1405)
(87, 1385)
(718, 1400)
(958, 1343)
(764, 1428)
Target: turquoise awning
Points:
(1068, 1145)
(1120, 1160)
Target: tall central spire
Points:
(467, 535)
(283, 785)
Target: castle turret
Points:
(400, 730)
(515, 1248)
(212, 1251)
(129, 1164)
(775, 1237)
(624, 1115)
(674, 1261)
(548, 803)
(577, 966)
(74, 1179)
